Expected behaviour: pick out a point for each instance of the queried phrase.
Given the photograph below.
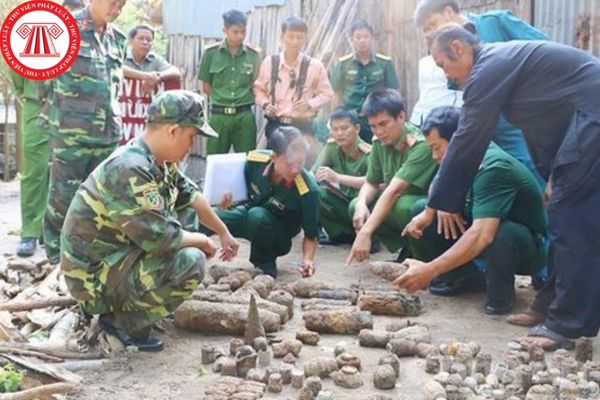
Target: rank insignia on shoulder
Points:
(257, 156)
(364, 147)
(411, 140)
(346, 57)
(301, 185)
(212, 45)
(383, 57)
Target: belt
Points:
(292, 121)
(230, 110)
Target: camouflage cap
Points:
(181, 107)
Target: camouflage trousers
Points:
(138, 290)
(71, 165)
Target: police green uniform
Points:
(408, 159)
(274, 213)
(353, 81)
(34, 173)
(84, 119)
(505, 189)
(151, 63)
(120, 242)
(333, 215)
(231, 79)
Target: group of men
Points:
(136, 235)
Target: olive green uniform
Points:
(274, 213)
(152, 63)
(36, 154)
(231, 78)
(408, 159)
(335, 201)
(352, 81)
(120, 242)
(505, 189)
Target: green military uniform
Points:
(84, 119)
(333, 214)
(121, 239)
(153, 62)
(34, 175)
(231, 79)
(505, 189)
(352, 81)
(275, 212)
(408, 159)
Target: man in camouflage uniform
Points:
(283, 198)
(228, 70)
(84, 117)
(355, 75)
(34, 175)
(340, 171)
(124, 254)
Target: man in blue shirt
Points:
(491, 27)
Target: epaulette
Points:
(330, 140)
(411, 140)
(212, 46)
(364, 147)
(254, 48)
(301, 185)
(383, 57)
(346, 57)
(257, 156)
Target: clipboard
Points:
(225, 173)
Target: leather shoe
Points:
(375, 246)
(142, 341)
(27, 247)
(440, 288)
(499, 308)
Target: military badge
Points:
(152, 200)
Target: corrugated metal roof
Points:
(561, 20)
(203, 17)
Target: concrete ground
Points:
(174, 372)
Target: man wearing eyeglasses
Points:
(291, 86)
(144, 64)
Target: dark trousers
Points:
(574, 221)
(273, 123)
(515, 250)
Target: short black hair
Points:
(445, 119)
(360, 24)
(73, 4)
(234, 17)
(383, 100)
(294, 24)
(134, 31)
(426, 8)
(441, 39)
(286, 138)
(343, 113)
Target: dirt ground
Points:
(174, 372)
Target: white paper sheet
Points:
(225, 173)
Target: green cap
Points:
(181, 107)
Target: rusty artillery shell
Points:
(392, 303)
(334, 322)
(371, 338)
(584, 349)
